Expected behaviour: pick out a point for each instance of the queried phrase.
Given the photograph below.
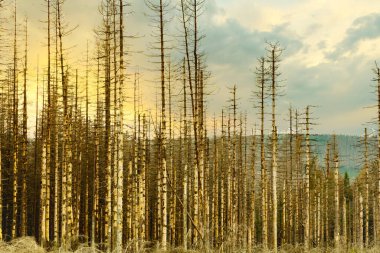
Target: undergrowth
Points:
(29, 245)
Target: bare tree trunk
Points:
(120, 142)
(366, 198)
(24, 142)
(307, 181)
(355, 215)
(171, 168)
(327, 177)
(377, 221)
(43, 211)
(289, 209)
(344, 216)
(67, 200)
(273, 59)
(234, 179)
(298, 218)
(163, 238)
(251, 201)
(261, 72)
(36, 195)
(142, 184)
(57, 173)
(86, 216)
(15, 158)
(45, 186)
(336, 196)
(107, 164)
(274, 186)
(360, 220)
(215, 193)
(1, 164)
(95, 193)
(223, 195)
(186, 155)
(319, 212)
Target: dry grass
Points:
(21, 245)
(29, 245)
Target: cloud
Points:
(362, 29)
(232, 51)
(337, 88)
(230, 43)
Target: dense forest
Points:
(176, 177)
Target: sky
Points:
(330, 49)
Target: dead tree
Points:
(377, 221)
(273, 59)
(120, 133)
(252, 199)
(23, 210)
(261, 73)
(307, 183)
(366, 195)
(160, 10)
(15, 146)
(336, 194)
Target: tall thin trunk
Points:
(25, 141)
(86, 173)
(344, 218)
(95, 192)
(360, 220)
(273, 62)
(107, 135)
(234, 172)
(307, 182)
(164, 223)
(289, 209)
(298, 218)
(185, 172)
(261, 72)
(2, 119)
(377, 221)
(366, 198)
(252, 217)
(336, 196)
(215, 190)
(327, 179)
(67, 203)
(36, 212)
(120, 131)
(15, 140)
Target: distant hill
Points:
(350, 152)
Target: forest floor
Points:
(29, 245)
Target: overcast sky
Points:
(330, 50)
